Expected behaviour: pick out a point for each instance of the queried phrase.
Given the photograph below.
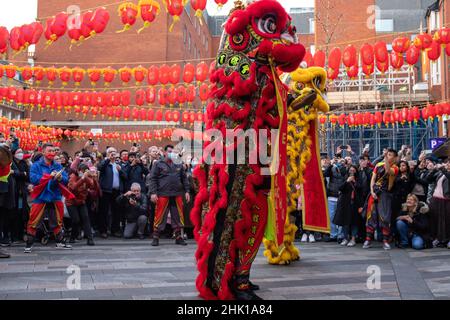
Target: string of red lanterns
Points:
(376, 56)
(387, 117)
(153, 75)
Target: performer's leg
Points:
(56, 221)
(177, 217)
(36, 215)
(385, 215)
(160, 216)
(254, 237)
(372, 218)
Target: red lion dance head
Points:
(263, 30)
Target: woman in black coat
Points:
(349, 206)
(21, 175)
(403, 185)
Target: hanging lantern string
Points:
(102, 89)
(117, 63)
(87, 9)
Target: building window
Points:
(312, 26)
(434, 21)
(435, 68)
(384, 25)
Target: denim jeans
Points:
(350, 231)
(416, 240)
(335, 231)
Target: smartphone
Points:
(367, 146)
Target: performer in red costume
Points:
(239, 204)
(48, 178)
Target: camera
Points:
(344, 147)
(132, 197)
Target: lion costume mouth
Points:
(304, 100)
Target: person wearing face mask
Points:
(168, 184)
(79, 184)
(22, 177)
(49, 180)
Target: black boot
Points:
(90, 241)
(242, 288)
(155, 242)
(180, 241)
(253, 286)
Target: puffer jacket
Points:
(420, 224)
(336, 177)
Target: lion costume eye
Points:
(267, 24)
(299, 86)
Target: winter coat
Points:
(168, 179)
(337, 179)
(347, 208)
(420, 225)
(106, 176)
(136, 174)
(22, 177)
(80, 189)
(132, 213)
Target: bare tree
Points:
(326, 23)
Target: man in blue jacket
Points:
(48, 179)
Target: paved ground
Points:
(119, 269)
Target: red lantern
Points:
(188, 73)
(159, 115)
(168, 116)
(308, 58)
(78, 75)
(423, 41)
(220, 3)
(175, 73)
(125, 97)
(148, 9)
(14, 36)
(380, 52)
(51, 75)
(181, 94)
(396, 114)
(203, 92)
(190, 94)
(150, 95)
(412, 55)
(334, 62)
(198, 6)
(396, 60)
(135, 114)
(387, 117)
(27, 73)
(125, 75)
(349, 57)
(341, 119)
(4, 39)
(99, 21)
(352, 72)
(431, 110)
(172, 96)
(185, 116)
(424, 112)
(164, 74)
(319, 58)
(410, 116)
(150, 115)
(56, 27)
(201, 72)
(139, 74)
(442, 36)
(153, 75)
(140, 97)
(108, 75)
(368, 69)
(175, 9)
(128, 12)
(322, 120)
(434, 52)
(162, 96)
(367, 54)
(400, 45)
(94, 75)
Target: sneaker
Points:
(304, 238)
(351, 243)
(4, 255)
(367, 244)
(386, 245)
(311, 238)
(435, 243)
(63, 245)
(180, 241)
(27, 250)
(5, 244)
(155, 242)
(344, 242)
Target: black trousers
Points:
(80, 216)
(108, 204)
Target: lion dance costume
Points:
(239, 204)
(305, 179)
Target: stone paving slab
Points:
(119, 269)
